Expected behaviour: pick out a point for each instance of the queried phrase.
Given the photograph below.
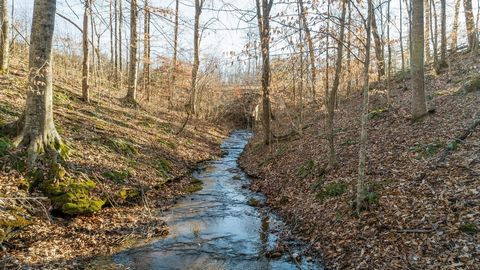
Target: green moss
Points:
(5, 146)
(68, 195)
(122, 146)
(62, 148)
(468, 228)
(472, 85)
(118, 177)
(163, 167)
(23, 184)
(11, 223)
(332, 190)
(129, 194)
(376, 113)
(195, 185)
(167, 144)
(426, 150)
(306, 169)
(166, 127)
(253, 202)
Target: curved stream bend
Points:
(215, 228)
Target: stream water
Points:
(215, 228)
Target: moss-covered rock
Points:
(129, 194)
(472, 85)
(10, 222)
(68, 195)
(122, 146)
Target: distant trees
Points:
(4, 37)
(419, 105)
(196, 55)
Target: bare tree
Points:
(469, 21)
(454, 35)
(378, 48)
(196, 55)
(85, 63)
(333, 93)
(36, 129)
(173, 69)
(311, 49)
(146, 51)
(419, 105)
(263, 17)
(443, 45)
(362, 161)
(4, 39)
(133, 68)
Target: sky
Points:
(225, 20)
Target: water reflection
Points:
(215, 228)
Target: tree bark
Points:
(85, 46)
(132, 74)
(362, 161)
(196, 56)
(38, 131)
(419, 107)
(173, 70)
(263, 17)
(402, 51)
(454, 35)
(146, 51)
(470, 23)
(443, 46)
(428, 57)
(311, 50)
(378, 48)
(333, 93)
(4, 37)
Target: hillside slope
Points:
(137, 163)
(423, 181)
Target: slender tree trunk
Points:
(132, 75)
(311, 50)
(117, 45)
(174, 60)
(146, 51)
(378, 48)
(454, 35)
(349, 54)
(389, 48)
(470, 23)
(402, 51)
(120, 44)
(4, 37)
(333, 93)
(301, 40)
(85, 45)
(443, 46)
(38, 131)
(263, 16)
(434, 32)
(428, 57)
(419, 106)
(112, 56)
(327, 57)
(362, 161)
(196, 56)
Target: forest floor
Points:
(138, 164)
(423, 178)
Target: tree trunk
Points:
(146, 51)
(443, 46)
(419, 107)
(378, 48)
(389, 49)
(470, 23)
(402, 51)
(263, 17)
(174, 60)
(38, 132)
(120, 44)
(428, 57)
(333, 93)
(117, 45)
(132, 74)
(454, 36)
(4, 39)
(349, 54)
(434, 32)
(196, 56)
(311, 50)
(85, 45)
(362, 161)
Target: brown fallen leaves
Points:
(428, 212)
